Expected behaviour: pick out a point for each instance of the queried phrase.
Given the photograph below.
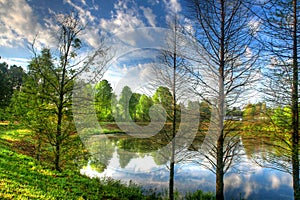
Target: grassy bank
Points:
(22, 177)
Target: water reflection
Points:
(133, 159)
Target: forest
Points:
(196, 107)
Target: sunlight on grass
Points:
(4, 123)
(13, 134)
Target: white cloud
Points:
(172, 6)
(153, 2)
(20, 26)
(124, 18)
(254, 26)
(23, 62)
(188, 26)
(18, 23)
(136, 77)
(148, 13)
(233, 181)
(275, 182)
(126, 21)
(83, 2)
(84, 14)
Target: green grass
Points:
(22, 177)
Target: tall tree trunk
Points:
(295, 110)
(220, 169)
(60, 108)
(171, 178)
(58, 140)
(172, 163)
(221, 103)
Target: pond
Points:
(130, 159)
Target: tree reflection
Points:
(270, 151)
(101, 150)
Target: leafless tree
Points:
(224, 67)
(171, 73)
(280, 37)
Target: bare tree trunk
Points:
(171, 178)
(172, 163)
(220, 170)
(58, 141)
(58, 137)
(295, 110)
(221, 103)
(223, 37)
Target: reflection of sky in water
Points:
(253, 183)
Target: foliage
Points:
(124, 103)
(11, 80)
(282, 118)
(103, 100)
(255, 111)
(143, 108)
(45, 102)
(200, 195)
(163, 96)
(133, 102)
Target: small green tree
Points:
(5, 92)
(134, 100)
(103, 100)
(164, 97)
(125, 96)
(143, 107)
(49, 89)
(11, 80)
(31, 106)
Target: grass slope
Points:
(22, 177)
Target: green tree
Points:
(143, 107)
(249, 112)
(11, 81)
(51, 85)
(164, 97)
(128, 104)
(16, 75)
(6, 90)
(205, 111)
(124, 100)
(103, 100)
(31, 106)
(134, 100)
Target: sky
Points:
(137, 24)
(138, 27)
(22, 20)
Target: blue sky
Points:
(21, 20)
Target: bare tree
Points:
(280, 37)
(224, 68)
(172, 74)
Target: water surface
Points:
(135, 161)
